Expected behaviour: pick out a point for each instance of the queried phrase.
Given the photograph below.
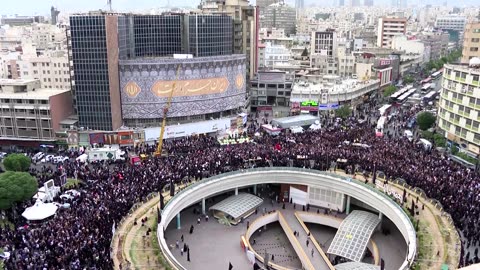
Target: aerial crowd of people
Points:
(79, 237)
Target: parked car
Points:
(60, 159)
(47, 158)
(38, 156)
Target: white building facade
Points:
(275, 55)
(459, 107)
(388, 28)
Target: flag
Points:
(230, 266)
(162, 203)
(113, 228)
(374, 177)
(278, 147)
(172, 188)
(159, 215)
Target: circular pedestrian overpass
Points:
(287, 175)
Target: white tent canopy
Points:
(40, 211)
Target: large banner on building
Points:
(183, 130)
(202, 85)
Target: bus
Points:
(429, 97)
(436, 74)
(427, 80)
(426, 87)
(400, 92)
(404, 97)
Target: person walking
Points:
(312, 252)
(308, 242)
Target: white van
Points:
(407, 133)
(426, 144)
(82, 158)
(296, 129)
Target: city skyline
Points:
(32, 7)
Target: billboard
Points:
(204, 85)
(183, 130)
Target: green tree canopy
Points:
(389, 90)
(408, 79)
(17, 163)
(439, 140)
(425, 120)
(343, 112)
(427, 135)
(16, 187)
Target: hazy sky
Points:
(42, 7)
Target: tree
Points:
(389, 90)
(408, 79)
(439, 140)
(427, 135)
(17, 163)
(16, 187)
(425, 120)
(343, 112)
(454, 150)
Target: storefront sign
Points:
(329, 106)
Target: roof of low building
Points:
(41, 93)
(237, 205)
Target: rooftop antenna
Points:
(109, 3)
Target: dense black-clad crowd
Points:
(79, 237)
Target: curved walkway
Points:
(434, 221)
(287, 175)
(441, 243)
(130, 248)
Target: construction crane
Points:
(165, 112)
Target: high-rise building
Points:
(95, 72)
(245, 27)
(265, 3)
(324, 42)
(388, 28)
(354, 3)
(31, 115)
(21, 20)
(323, 49)
(368, 3)
(341, 3)
(279, 15)
(437, 42)
(451, 22)
(106, 81)
(471, 42)
(54, 15)
(399, 3)
(459, 105)
(299, 4)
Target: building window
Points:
(474, 49)
(476, 40)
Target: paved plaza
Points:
(214, 245)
